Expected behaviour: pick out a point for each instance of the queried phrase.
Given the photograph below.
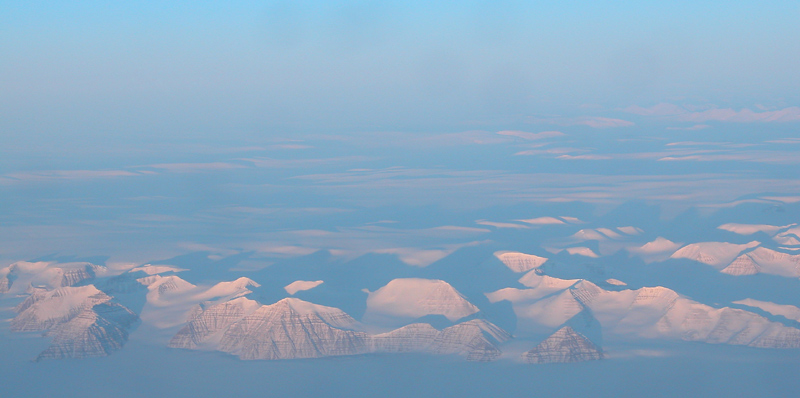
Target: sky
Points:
(348, 144)
(129, 72)
(127, 120)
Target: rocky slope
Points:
(288, 329)
(715, 254)
(293, 328)
(476, 339)
(82, 321)
(565, 345)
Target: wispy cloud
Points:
(478, 188)
(289, 146)
(194, 167)
(662, 109)
(584, 157)
(551, 151)
(543, 221)
(785, 141)
(745, 115)
(690, 128)
(50, 175)
(501, 224)
(590, 121)
(531, 136)
(293, 163)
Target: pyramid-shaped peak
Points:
(742, 265)
(489, 329)
(565, 345)
(304, 307)
(520, 262)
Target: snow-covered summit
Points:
(82, 321)
(520, 262)
(416, 297)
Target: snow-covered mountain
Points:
(745, 259)
(520, 262)
(767, 261)
(416, 297)
(170, 298)
(648, 312)
(293, 328)
(476, 339)
(596, 286)
(19, 276)
(565, 345)
(82, 321)
(715, 254)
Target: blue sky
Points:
(183, 69)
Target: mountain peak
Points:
(416, 297)
(565, 345)
(520, 262)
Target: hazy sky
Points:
(153, 122)
(111, 71)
